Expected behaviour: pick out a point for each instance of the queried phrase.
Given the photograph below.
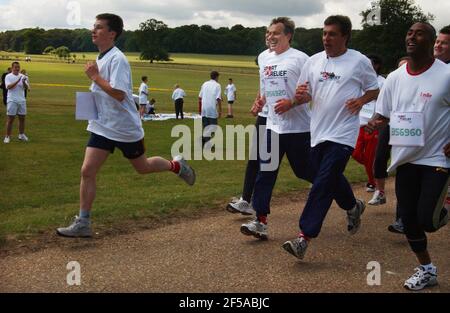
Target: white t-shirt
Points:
(368, 110)
(178, 94)
(117, 121)
(428, 93)
(333, 81)
(143, 93)
(261, 63)
(230, 92)
(15, 94)
(210, 92)
(279, 75)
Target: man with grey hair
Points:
(287, 124)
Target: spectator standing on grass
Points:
(210, 99)
(16, 83)
(230, 92)
(143, 96)
(3, 86)
(178, 98)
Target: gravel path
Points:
(209, 254)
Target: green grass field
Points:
(39, 180)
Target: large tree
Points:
(150, 40)
(386, 37)
(34, 41)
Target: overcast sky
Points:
(17, 14)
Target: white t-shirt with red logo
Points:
(332, 82)
(279, 75)
(427, 93)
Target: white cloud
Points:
(17, 14)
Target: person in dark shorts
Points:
(118, 125)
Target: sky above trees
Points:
(18, 14)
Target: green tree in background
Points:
(62, 52)
(388, 38)
(49, 50)
(34, 40)
(150, 40)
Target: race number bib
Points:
(407, 129)
(367, 110)
(275, 90)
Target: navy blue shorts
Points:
(130, 150)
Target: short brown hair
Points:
(344, 23)
(289, 25)
(115, 22)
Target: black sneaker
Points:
(354, 217)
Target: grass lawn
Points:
(39, 180)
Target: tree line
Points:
(154, 39)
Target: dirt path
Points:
(211, 255)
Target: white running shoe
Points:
(378, 198)
(23, 137)
(296, 247)
(7, 139)
(421, 279)
(354, 217)
(80, 228)
(186, 173)
(240, 206)
(255, 228)
(370, 188)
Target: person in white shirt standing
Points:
(230, 92)
(332, 82)
(118, 124)
(288, 125)
(210, 98)
(178, 98)
(16, 104)
(415, 100)
(143, 96)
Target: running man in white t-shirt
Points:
(230, 92)
(415, 100)
(118, 124)
(16, 104)
(442, 45)
(442, 52)
(287, 124)
(143, 96)
(332, 82)
(242, 204)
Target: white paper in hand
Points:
(86, 108)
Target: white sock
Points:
(429, 267)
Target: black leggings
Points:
(383, 153)
(421, 191)
(253, 165)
